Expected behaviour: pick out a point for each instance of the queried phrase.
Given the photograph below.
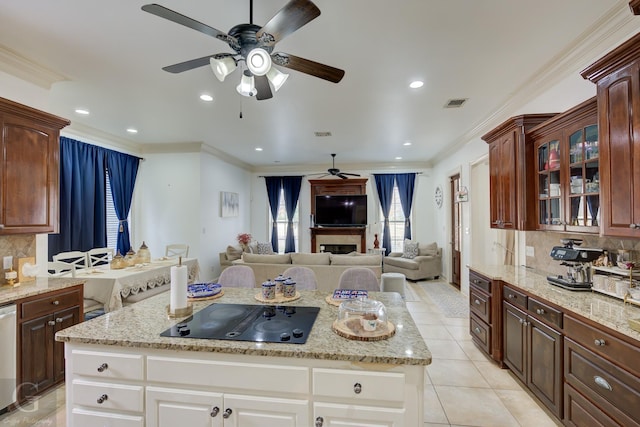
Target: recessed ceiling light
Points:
(416, 84)
(132, 130)
(258, 149)
(206, 97)
(407, 143)
(82, 111)
(398, 158)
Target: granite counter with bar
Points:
(148, 379)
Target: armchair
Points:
(428, 263)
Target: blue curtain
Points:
(291, 186)
(406, 183)
(82, 198)
(274, 185)
(384, 185)
(123, 169)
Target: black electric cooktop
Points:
(246, 322)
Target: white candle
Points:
(178, 287)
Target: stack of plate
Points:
(203, 290)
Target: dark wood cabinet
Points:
(617, 76)
(511, 200)
(484, 316)
(533, 352)
(567, 172)
(29, 169)
(40, 357)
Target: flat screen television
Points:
(341, 211)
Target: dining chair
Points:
(359, 278)
(60, 268)
(99, 256)
(304, 277)
(238, 276)
(77, 258)
(177, 249)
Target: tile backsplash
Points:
(18, 246)
(542, 243)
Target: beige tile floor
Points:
(463, 387)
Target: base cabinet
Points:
(485, 315)
(144, 387)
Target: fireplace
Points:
(338, 249)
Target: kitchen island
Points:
(121, 372)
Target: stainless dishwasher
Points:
(8, 372)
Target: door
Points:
(456, 228)
(514, 340)
(545, 356)
(64, 319)
(256, 411)
(37, 356)
(168, 407)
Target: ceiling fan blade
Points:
(291, 17)
(307, 66)
(263, 88)
(188, 65)
(341, 175)
(350, 174)
(178, 18)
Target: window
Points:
(281, 222)
(396, 222)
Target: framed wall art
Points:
(229, 204)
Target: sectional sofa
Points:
(327, 267)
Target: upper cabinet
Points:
(29, 169)
(512, 206)
(617, 76)
(567, 172)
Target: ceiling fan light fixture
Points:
(222, 67)
(277, 78)
(247, 85)
(258, 61)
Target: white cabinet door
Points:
(167, 407)
(337, 415)
(256, 411)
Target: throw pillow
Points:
(410, 249)
(233, 253)
(430, 249)
(265, 248)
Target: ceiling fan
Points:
(336, 172)
(253, 46)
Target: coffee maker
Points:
(578, 263)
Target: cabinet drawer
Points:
(49, 303)
(480, 304)
(82, 417)
(108, 365)
(361, 385)
(118, 397)
(481, 333)
(615, 391)
(579, 412)
(544, 312)
(228, 375)
(602, 343)
(514, 297)
(479, 281)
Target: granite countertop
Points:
(602, 309)
(140, 325)
(9, 294)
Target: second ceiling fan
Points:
(253, 46)
(335, 171)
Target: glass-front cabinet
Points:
(567, 169)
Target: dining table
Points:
(111, 287)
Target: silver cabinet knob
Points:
(55, 302)
(511, 296)
(476, 302)
(214, 411)
(319, 422)
(634, 226)
(477, 330)
(1, 226)
(51, 323)
(103, 367)
(540, 311)
(357, 388)
(102, 399)
(227, 413)
(59, 320)
(602, 383)
(600, 342)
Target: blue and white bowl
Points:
(203, 290)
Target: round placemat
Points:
(335, 302)
(216, 296)
(278, 298)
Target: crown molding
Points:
(17, 65)
(98, 137)
(595, 41)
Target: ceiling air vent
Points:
(319, 134)
(455, 103)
